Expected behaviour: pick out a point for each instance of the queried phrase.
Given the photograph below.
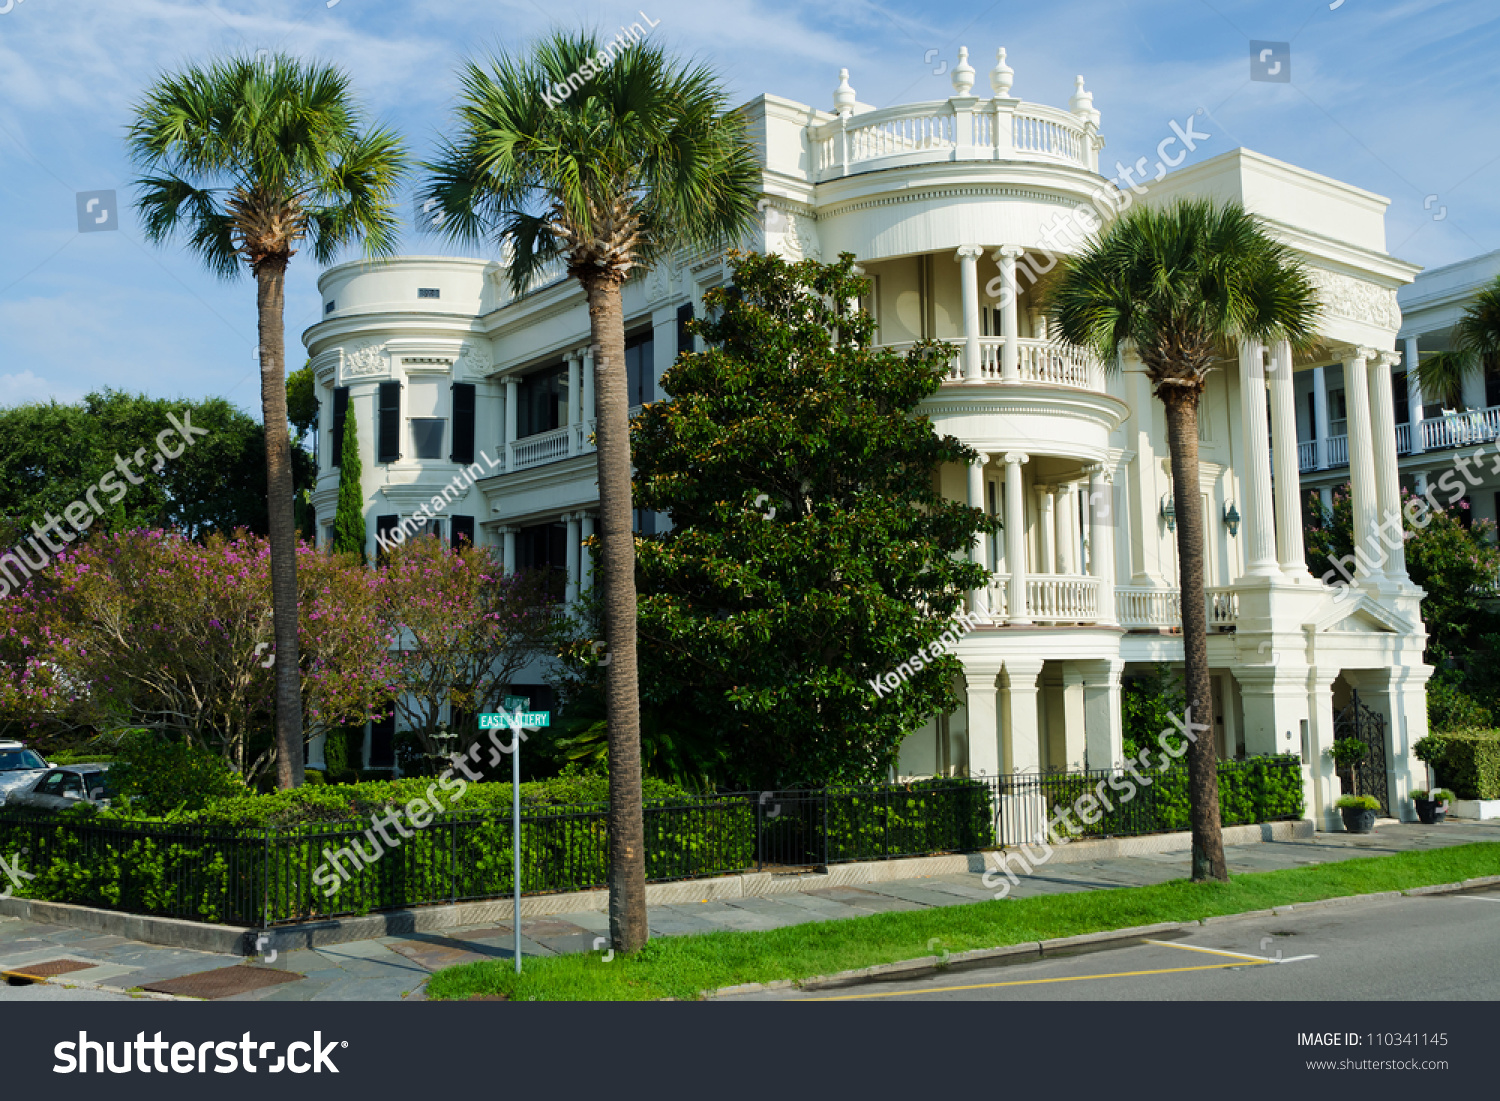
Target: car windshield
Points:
(15, 759)
(99, 786)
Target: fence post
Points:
(886, 844)
(760, 835)
(825, 825)
(265, 889)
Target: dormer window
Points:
(429, 292)
(329, 307)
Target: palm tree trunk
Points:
(270, 300)
(1187, 504)
(627, 850)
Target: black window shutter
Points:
(463, 530)
(684, 338)
(388, 446)
(384, 526)
(463, 423)
(383, 742)
(340, 411)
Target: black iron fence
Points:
(262, 876)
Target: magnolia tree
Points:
(146, 629)
(464, 629)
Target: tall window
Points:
(427, 437)
(1491, 380)
(1401, 396)
(684, 338)
(640, 361)
(340, 412)
(1312, 415)
(388, 436)
(463, 423)
(1338, 415)
(542, 401)
(545, 547)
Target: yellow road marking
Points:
(1036, 982)
(1210, 951)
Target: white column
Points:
(1047, 521)
(1321, 449)
(1067, 530)
(1015, 538)
(1103, 726)
(1362, 461)
(512, 398)
(1387, 476)
(571, 593)
(588, 388)
(983, 721)
(585, 559)
(979, 553)
(968, 259)
(1260, 530)
(1075, 722)
(575, 401)
(508, 549)
(1414, 395)
(1009, 293)
(1288, 481)
(1102, 538)
(1023, 734)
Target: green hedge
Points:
(1467, 761)
(1259, 789)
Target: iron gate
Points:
(1359, 721)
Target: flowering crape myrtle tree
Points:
(466, 629)
(810, 553)
(1176, 286)
(146, 629)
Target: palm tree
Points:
(1476, 348)
(1177, 285)
(638, 160)
(246, 159)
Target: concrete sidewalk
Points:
(396, 968)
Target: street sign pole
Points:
(515, 813)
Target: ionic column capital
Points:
(1009, 252)
(968, 252)
(1017, 457)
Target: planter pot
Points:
(1356, 820)
(1430, 813)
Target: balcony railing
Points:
(544, 447)
(1467, 429)
(1050, 598)
(1043, 362)
(1162, 608)
(949, 130)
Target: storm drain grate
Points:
(37, 971)
(224, 982)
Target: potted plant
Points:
(1358, 812)
(1432, 808)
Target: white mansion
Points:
(951, 208)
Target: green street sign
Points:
(505, 720)
(511, 703)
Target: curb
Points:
(928, 964)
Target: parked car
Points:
(66, 787)
(19, 767)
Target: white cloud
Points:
(26, 387)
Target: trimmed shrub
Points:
(159, 776)
(1467, 761)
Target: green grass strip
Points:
(687, 966)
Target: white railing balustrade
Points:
(935, 132)
(1054, 364)
(1062, 598)
(544, 447)
(1162, 608)
(1307, 455)
(1338, 450)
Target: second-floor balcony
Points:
(1037, 361)
(1461, 428)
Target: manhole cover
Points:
(223, 982)
(39, 971)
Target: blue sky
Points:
(1394, 97)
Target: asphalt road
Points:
(1430, 947)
